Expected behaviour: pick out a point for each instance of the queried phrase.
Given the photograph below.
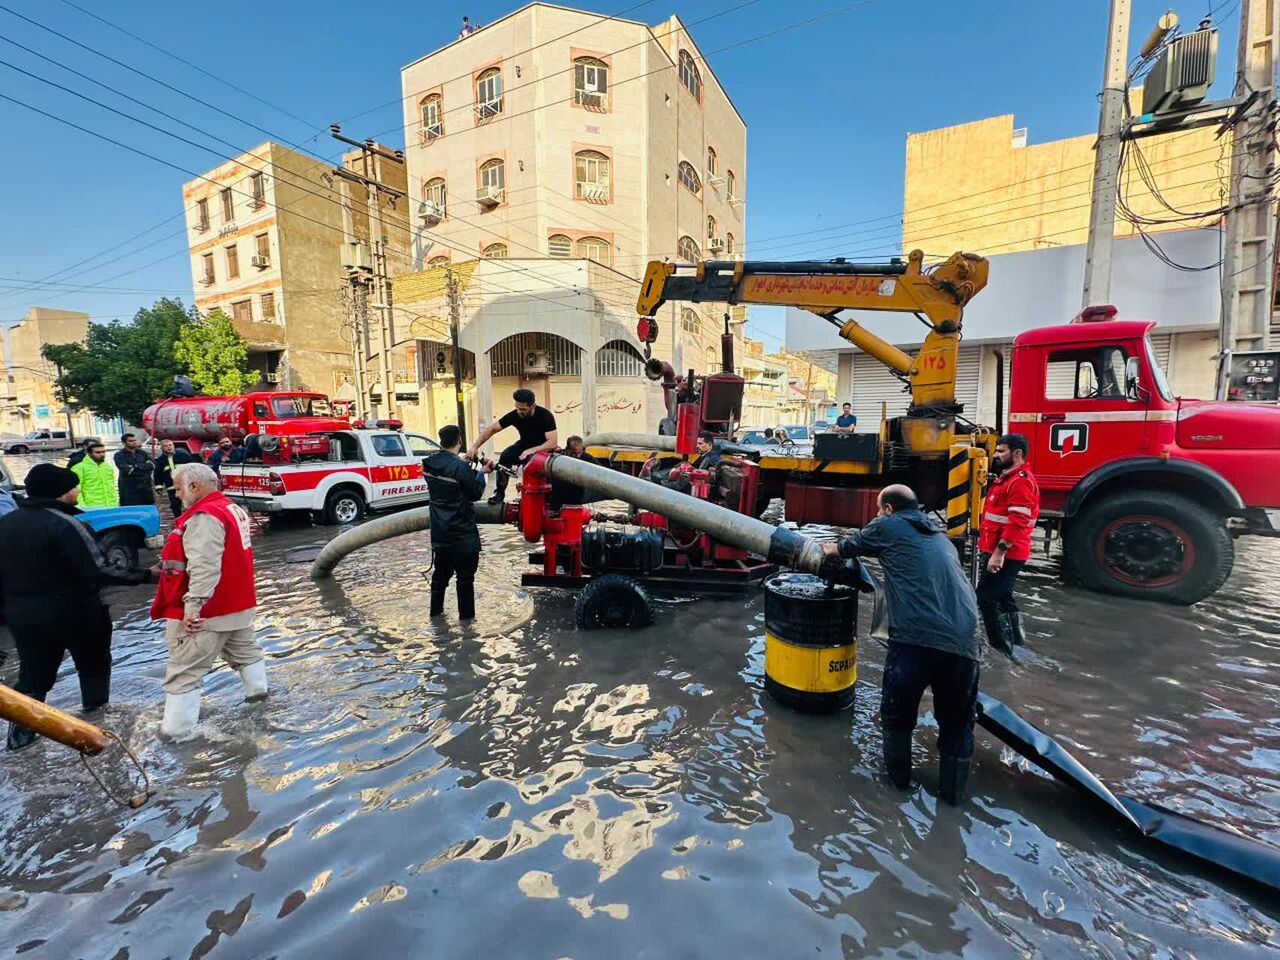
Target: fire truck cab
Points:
(1147, 489)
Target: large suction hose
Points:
(645, 441)
(384, 528)
(785, 547)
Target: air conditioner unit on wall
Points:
(715, 244)
(489, 196)
(433, 132)
(536, 362)
(430, 212)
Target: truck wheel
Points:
(344, 506)
(1155, 546)
(120, 547)
(613, 601)
(19, 448)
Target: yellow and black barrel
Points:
(810, 646)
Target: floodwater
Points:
(516, 789)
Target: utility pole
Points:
(455, 324)
(355, 306)
(1249, 252)
(1106, 159)
(381, 281)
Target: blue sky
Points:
(828, 107)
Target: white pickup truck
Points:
(363, 470)
(38, 440)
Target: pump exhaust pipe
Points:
(384, 528)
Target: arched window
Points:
(591, 176)
(489, 94)
(729, 183)
(492, 183)
(728, 244)
(591, 83)
(438, 262)
(689, 176)
(711, 162)
(593, 248)
(495, 251)
(687, 250)
(713, 360)
(433, 194)
(690, 76)
(432, 118)
(689, 320)
(559, 246)
(617, 358)
(711, 226)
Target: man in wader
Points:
(206, 598)
(50, 572)
(453, 488)
(933, 625)
(537, 428)
(1004, 540)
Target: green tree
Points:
(122, 368)
(214, 355)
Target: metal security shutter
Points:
(1161, 343)
(872, 385)
(968, 361)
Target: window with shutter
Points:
(438, 262)
(495, 251)
(590, 82)
(228, 206)
(591, 176)
(267, 303)
(559, 246)
(233, 262)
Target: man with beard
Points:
(1004, 540)
(537, 428)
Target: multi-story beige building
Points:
(269, 234)
(29, 400)
(558, 134)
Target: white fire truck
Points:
(337, 475)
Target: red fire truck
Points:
(196, 421)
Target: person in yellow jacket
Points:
(97, 479)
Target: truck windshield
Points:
(1157, 374)
(286, 408)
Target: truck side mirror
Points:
(1133, 388)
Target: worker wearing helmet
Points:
(1004, 540)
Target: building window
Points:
(228, 206)
(617, 358)
(206, 273)
(593, 248)
(728, 244)
(233, 262)
(559, 246)
(202, 215)
(730, 182)
(261, 250)
(259, 189)
(591, 174)
(489, 94)
(495, 251)
(689, 176)
(711, 162)
(432, 118)
(689, 75)
(434, 195)
(267, 307)
(689, 322)
(590, 83)
(242, 311)
(492, 183)
(438, 262)
(687, 250)
(711, 227)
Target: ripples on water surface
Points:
(517, 789)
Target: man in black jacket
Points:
(82, 451)
(134, 472)
(563, 492)
(455, 539)
(171, 457)
(50, 572)
(933, 637)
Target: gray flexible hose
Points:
(384, 528)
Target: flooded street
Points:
(515, 788)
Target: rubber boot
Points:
(95, 692)
(953, 774)
(20, 736)
(998, 631)
(1013, 621)
(181, 714)
(897, 757)
(437, 602)
(254, 677)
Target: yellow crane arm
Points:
(937, 296)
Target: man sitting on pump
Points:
(537, 428)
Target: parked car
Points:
(39, 440)
(751, 436)
(820, 426)
(798, 432)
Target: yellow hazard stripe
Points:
(959, 486)
(810, 669)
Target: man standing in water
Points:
(1004, 540)
(206, 598)
(453, 487)
(537, 428)
(933, 623)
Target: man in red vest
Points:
(1004, 540)
(206, 598)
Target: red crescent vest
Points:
(234, 591)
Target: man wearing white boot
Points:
(206, 598)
